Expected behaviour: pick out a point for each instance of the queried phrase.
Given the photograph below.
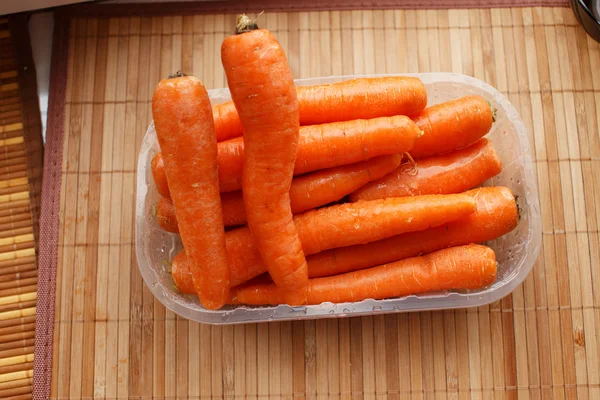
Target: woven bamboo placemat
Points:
(20, 177)
(112, 339)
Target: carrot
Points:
(183, 120)
(360, 98)
(448, 173)
(307, 191)
(231, 163)
(263, 91)
(354, 223)
(466, 267)
(244, 262)
(496, 215)
(322, 187)
(452, 125)
(362, 222)
(165, 215)
(227, 121)
(232, 205)
(325, 146)
(233, 208)
(180, 267)
(160, 178)
(340, 143)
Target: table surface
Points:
(112, 339)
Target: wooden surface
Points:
(112, 339)
(20, 170)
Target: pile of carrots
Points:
(327, 193)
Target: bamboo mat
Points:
(20, 173)
(112, 339)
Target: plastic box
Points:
(516, 252)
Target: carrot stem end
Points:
(244, 24)
(177, 74)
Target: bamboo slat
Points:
(17, 266)
(18, 321)
(16, 306)
(10, 330)
(27, 396)
(27, 312)
(15, 391)
(23, 350)
(27, 382)
(112, 339)
(13, 376)
(17, 230)
(18, 275)
(19, 345)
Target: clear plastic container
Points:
(516, 252)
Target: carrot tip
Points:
(245, 24)
(410, 158)
(409, 168)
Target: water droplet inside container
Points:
(377, 308)
(345, 310)
(331, 311)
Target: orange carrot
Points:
(160, 178)
(354, 223)
(165, 215)
(264, 94)
(184, 126)
(466, 267)
(244, 262)
(233, 208)
(232, 205)
(452, 125)
(360, 98)
(366, 221)
(322, 187)
(495, 216)
(231, 163)
(326, 146)
(448, 173)
(307, 191)
(340, 143)
(180, 267)
(227, 121)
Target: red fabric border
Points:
(49, 216)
